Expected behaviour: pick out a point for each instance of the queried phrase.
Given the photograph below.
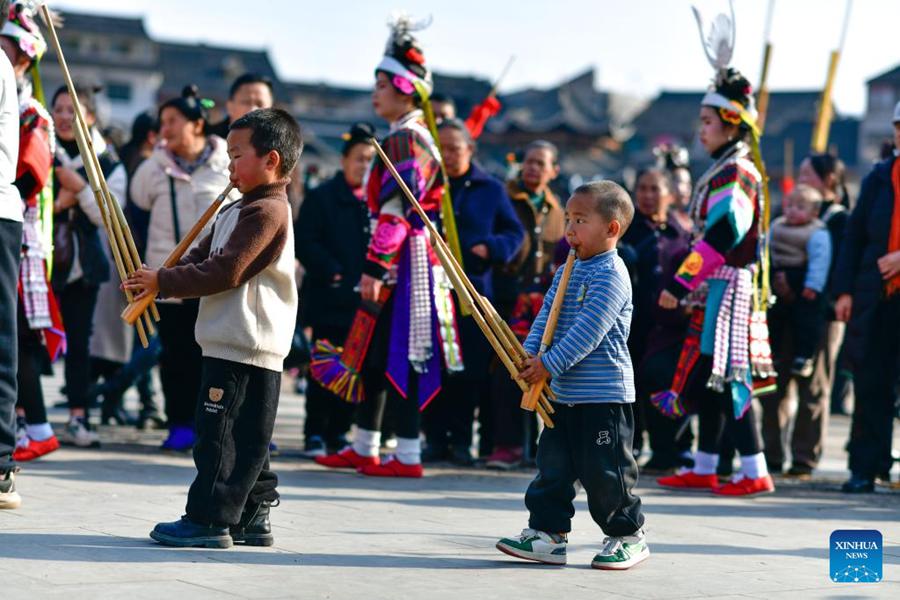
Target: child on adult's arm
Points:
(243, 271)
(593, 381)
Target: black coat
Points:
(95, 266)
(865, 241)
(331, 235)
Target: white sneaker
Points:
(9, 497)
(535, 545)
(620, 553)
(76, 433)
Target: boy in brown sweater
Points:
(243, 271)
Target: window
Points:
(118, 91)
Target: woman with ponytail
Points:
(179, 181)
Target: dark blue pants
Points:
(590, 443)
(10, 251)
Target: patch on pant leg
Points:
(603, 438)
(214, 405)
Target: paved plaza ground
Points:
(82, 533)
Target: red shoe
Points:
(746, 487)
(36, 449)
(505, 458)
(689, 481)
(392, 468)
(347, 459)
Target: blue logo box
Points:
(856, 556)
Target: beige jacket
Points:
(243, 274)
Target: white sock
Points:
(705, 463)
(634, 538)
(754, 466)
(409, 451)
(366, 443)
(39, 433)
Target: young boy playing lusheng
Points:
(244, 274)
(592, 378)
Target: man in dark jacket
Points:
(331, 235)
(866, 282)
(489, 235)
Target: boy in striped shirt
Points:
(593, 380)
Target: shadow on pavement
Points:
(53, 547)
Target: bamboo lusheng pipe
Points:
(135, 257)
(135, 309)
(92, 165)
(530, 398)
(466, 300)
(132, 247)
(465, 290)
(91, 170)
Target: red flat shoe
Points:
(36, 449)
(347, 459)
(689, 481)
(392, 468)
(746, 487)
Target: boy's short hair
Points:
(273, 129)
(807, 194)
(611, 201)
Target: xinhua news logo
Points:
(856, 556)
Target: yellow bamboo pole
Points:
(92, 168)
(822, 125)
(762, 101)
(530, 398)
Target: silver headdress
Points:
(718, 39)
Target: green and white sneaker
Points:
(539, 546)
(620, 553)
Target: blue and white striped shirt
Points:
(589, 359)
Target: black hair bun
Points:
(190, 91)
(362, 130)
(360, 133)
(406, 49)
(735, 86)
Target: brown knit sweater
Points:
(243, 271)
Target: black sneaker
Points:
(461, 456)
(434, 454)
(185, 533)
(858, 484)
(801, 472)
(9, 497)
(803, 367)
(315, 446)
(254, 528)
